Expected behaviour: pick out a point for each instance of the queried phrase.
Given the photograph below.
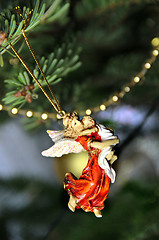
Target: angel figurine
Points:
(90, 191)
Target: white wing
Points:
(62, 147)
(55, 135)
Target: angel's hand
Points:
(88, 131)
(110, 155)
(113, 159)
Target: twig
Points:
(55, 222)
(137, 130)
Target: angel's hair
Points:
(68, 118)
(71, 133)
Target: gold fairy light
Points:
(102, 107)
(88, 112)
(136, 79)
(44, 116)
(155, 41)
(14, 111)
(155, 52)
(1, 107)
(127, 89)
(115, 98)
(147, 65)
(29, 114)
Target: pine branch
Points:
(57, 11)
(57, 65)
(12, 24)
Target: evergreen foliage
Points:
(58, 64)
(11, 23)
(115, 37)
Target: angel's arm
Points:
(105, 144)
(88, 131)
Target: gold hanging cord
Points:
(26, 23)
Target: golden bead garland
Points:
(115, 98)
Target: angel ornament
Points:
(90, 191)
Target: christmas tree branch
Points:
(12, 24)
(57, 65)
(54, 11)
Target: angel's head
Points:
(77, 125)
(73, 125)
(68, 119)
(88, 122)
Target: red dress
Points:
(92, 187)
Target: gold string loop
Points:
(53, 101)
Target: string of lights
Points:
(115, 98)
